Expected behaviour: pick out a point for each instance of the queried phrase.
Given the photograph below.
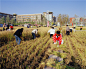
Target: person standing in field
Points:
(67, 30)
(17, 35)
(74, 27)
(28, 26)
(52, 31)
(34, 32)
(3, 26)
(7, 26)
(57, 37)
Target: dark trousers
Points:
(67, 32)
(70, 30)
(80, 28)
(3, 29)
(74, 27)
(51, 35)
(7, 28)
(34, 36)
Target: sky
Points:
(70, 7)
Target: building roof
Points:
(6, 13)
(30, 14)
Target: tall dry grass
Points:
(6, 36)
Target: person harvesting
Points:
(52, 31)
(34, 32)
(57, 37)
(67, 30)
(17, 35)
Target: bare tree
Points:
(0, 21)
(43, 20)
(7, 19)
(76, 16)
(63, 19)
(36, 19)
(3, 20)
(67, 18)
(12, 21)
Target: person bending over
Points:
(17, 35)
(52, 31)
(57, 37)
(34, 32)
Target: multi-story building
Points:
(48, 15)
(78, 20)
(5, 15)
(29, 17)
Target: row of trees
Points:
(81, 19)
(7, 20)
(63, 19)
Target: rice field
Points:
(34, 54)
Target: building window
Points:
(31, 16)
(19, 16)
(24, 16)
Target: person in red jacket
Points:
(11, 27)
(57, 37)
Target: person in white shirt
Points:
(67, 30)
(74, 27)
(52, 31)
(34, 32)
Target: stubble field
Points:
(34, 54)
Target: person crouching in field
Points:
(52, 31)
(17, 35)
(67, 30)
(34, 32)
(11, 27)
(57, 37)
(81, 28)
